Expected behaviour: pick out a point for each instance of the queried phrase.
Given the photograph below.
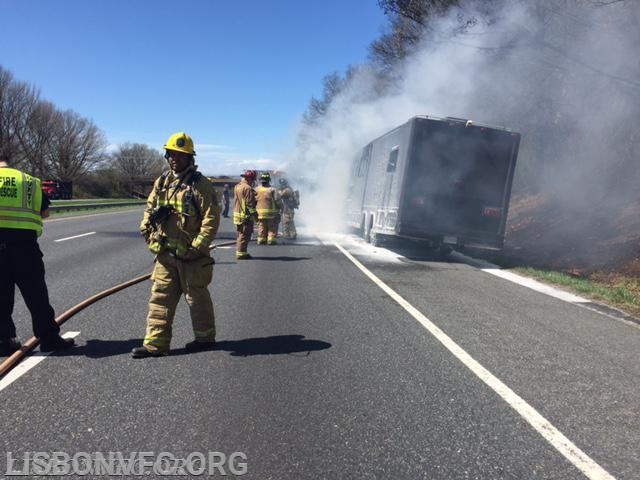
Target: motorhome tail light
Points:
(492, 212)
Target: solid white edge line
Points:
(535, 285)
(28, 363)
(75, 236)
(550, 433)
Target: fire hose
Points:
(33, 342)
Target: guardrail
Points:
(87, 206)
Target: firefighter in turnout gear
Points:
(244, 212)
(267, 207)
(289, 202)
(179, 224)
(22, 208)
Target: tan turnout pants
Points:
(171, 279)
(244, 232)
(288, 225)
(267, 230)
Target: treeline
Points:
(62, 145)
(564, 73)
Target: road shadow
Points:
(281, 258)
(420, 251)
(101, 348)
(275, 345)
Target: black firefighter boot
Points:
(51, 344)
(141, 352)
(8, 346)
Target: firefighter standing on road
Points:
(267, 207)
(22, 208)
(244, 212)
(289, 201)
(179, 224)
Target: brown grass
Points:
(598, 244)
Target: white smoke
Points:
(566, 77)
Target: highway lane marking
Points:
(75, 236)
(535, 285)
(550, 433)
(28, 363)
(532, 284)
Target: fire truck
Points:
(57, 190)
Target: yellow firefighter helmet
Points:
(180, 142)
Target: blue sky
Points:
(236, 75)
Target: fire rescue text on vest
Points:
(8, 187)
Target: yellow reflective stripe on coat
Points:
(183, 227)
(266, 203)
(20, 201)
(199, 242)
(240, 217)
(266, 213)
(169, 244)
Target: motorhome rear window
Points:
(392, 163)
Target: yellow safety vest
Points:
(20, 201)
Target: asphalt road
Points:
(319, 373)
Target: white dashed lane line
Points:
(28, 363)
(75, 236)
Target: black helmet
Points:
(283, 182)
(265, 177)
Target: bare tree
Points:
(410, 21)
(137, 160)
(77, 146)
(134, 163)
(36, 137)
(17, 99)
(332, 85)
(394, 46)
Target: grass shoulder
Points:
(614, 289)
